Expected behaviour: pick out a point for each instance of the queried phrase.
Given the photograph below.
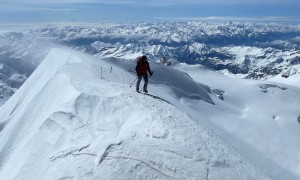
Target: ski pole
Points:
(134, 81)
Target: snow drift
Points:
(77, 118)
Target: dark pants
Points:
(139, 81)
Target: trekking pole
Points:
(134, 81)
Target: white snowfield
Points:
(77, 118)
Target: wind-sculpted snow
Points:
(68, 122)
(76, 116)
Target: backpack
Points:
(142, 66)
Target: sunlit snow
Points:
(77, 118)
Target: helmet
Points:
(144, 58)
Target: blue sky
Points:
(16, 11)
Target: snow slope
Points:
(77, 118)
(262, 117)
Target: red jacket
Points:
(142, 67)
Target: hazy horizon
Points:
(123, 11)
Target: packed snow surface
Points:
(76, 117)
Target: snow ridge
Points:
(67, 122)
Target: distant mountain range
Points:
(245, 50)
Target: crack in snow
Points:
(66, 153)
(143, 162)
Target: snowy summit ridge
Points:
(68, 121)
